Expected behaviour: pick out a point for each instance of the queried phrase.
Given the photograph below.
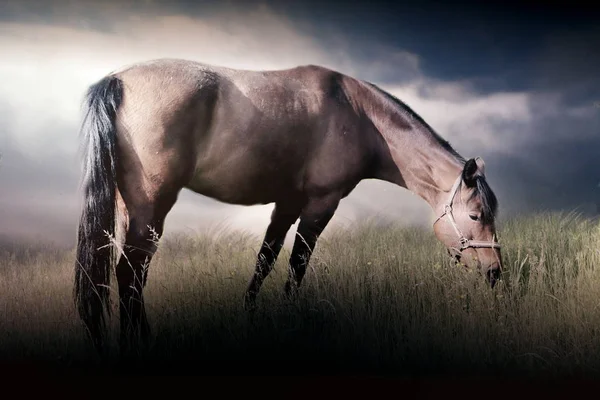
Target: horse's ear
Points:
(480, 165)
(474, 167)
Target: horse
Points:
(301, 138)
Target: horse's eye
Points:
(474, 217)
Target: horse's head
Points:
(466, 225)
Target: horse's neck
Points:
(428, 170)
(420, 162)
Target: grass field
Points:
(377, 300)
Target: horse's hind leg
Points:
(145, 226)
(314, 218)
(282, 218)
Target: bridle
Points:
(464, 242)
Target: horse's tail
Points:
(95, 255)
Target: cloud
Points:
(49, 66)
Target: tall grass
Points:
(375, 299)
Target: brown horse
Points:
(301, 138)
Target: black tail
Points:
(95, 255)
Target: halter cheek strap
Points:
(464, 242)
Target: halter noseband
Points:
(464, 242)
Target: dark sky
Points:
(495, 45)
(543, 155)
(457, 40)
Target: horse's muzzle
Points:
(493, 274)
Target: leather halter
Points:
(464, 242)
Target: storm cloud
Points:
(537, 126)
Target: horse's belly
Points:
(250, 165)
(243, 186)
